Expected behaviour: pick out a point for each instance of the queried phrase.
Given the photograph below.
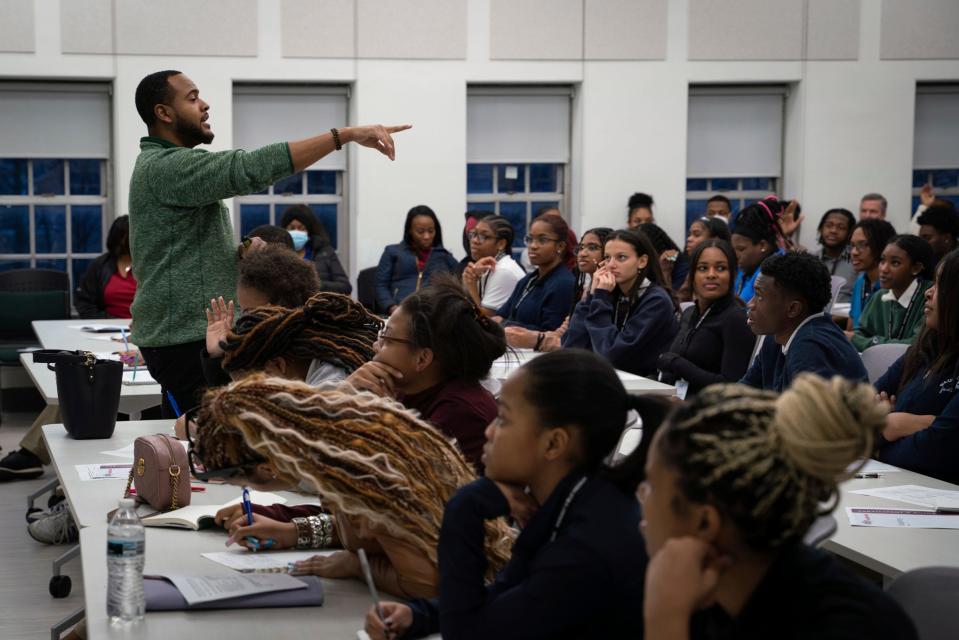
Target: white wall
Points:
(849, 124)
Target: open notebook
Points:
(200, 516)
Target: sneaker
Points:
(20, 465)
(55, 527)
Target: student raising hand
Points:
(219, 321)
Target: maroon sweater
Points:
(461, 410)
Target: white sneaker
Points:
(54, 527)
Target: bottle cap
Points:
(128, 503)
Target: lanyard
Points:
(632, 300)
(865, 294)
(562, 513)
(529, 287)
(905, 317)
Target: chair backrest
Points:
(34, 280)
(631, 437)
(19, 308)
(878, 358)
(838, 282)
(929, 596)
(365, 288)
(685, 305)
(821, 530)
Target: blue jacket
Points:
(648, 330)
(396, 275)
(744, 284)
(540, 304)
(817, 346)
(586, 582)
(934, 451)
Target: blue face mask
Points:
(299, 239)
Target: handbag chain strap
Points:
(174, 483)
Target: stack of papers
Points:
(926, 517)
(246, 561)
(911, 494)
(196, 589)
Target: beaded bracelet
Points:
(336, 139)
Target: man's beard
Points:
(191, 135)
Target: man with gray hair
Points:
(872, 206)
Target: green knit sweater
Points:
(875, 320)
(181, 239)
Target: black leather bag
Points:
(88, 390)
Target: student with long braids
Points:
(492, 274)
(756, 236)
(714, 342)
(734, 479)
(431, 355)
(895, 315)
(324, 340)
(382, 472)
(629, 317)
(577, 567)
(922, 432)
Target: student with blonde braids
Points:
(383, 473)
(326, 339)
(734, 479)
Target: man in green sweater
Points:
(181, 238)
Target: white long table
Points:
(58, 334)
(636, 385)
(887, 551)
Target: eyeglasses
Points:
(382, 337)
(482, 237)
(539, 240)
(592, 247)
(197, 469)
(859, 246)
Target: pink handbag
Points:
(160, 472)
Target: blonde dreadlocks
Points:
(365, 455)
(769, 461)
(330, 327)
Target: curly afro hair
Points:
(802, 274)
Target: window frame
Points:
(739, 196)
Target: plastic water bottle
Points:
(125, 549)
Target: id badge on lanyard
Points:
(682, 387)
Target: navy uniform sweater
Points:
(817, 346)
(587, 582)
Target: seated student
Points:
(673, 262)
(895, 315)
(492, 274)
(431, 355)
(312, 243)
(705, 228)
(408, 266)
(384, 474)
(922, 432)
(542, 299)
(472, 217)
(577, 567)
(109, 285)
(271, 275)
(869, 238)
(939, 226)
(640, 210)
(755, 238)
(791, 292)
(550, 210)
(629, 316)
(268, 233)
(714, 342)
(734, 480)
(835, 232)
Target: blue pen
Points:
(176, 410)
(248, 510)
(126, 347)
